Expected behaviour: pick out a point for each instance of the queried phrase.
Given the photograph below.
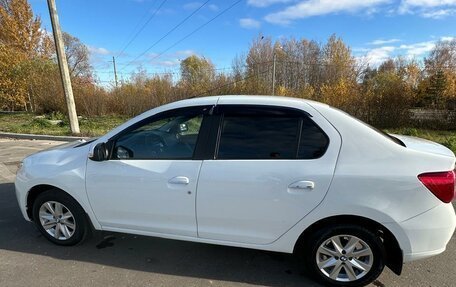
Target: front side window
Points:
(168, 137)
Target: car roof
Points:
(245, 100)
(220, 100)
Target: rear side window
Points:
(270, 135)
(258, 137)
(313, 142)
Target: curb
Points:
(40, 137)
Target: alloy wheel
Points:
(344, 258)
(57, 220)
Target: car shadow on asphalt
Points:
(150, 254)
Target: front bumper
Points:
(21, 192)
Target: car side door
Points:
(149, 182)
(271, 167)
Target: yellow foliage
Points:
(340, 94)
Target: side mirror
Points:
(183, 128)
(100, 152)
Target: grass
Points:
(31, 124)
(96, 126)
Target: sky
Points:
(155, 35)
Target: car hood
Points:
(59, 154)
(424, 145)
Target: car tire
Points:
(60, 218)
(357, 260)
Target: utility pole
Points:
(63, 66)
(274, 58)
(273, 72)
(115, 70)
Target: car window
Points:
(258, 137)
(313, 142)
(172, 137)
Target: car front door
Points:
(149, 182)
(272, 166)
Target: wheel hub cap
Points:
(57, 220)
(344, 258)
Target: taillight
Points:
(441, 184)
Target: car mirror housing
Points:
(100, 152)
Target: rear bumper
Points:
(428, 233)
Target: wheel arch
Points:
(394, 254)
(36, 190)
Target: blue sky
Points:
(374, 29)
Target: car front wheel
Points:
(345, 256)
(60, 218)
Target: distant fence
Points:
(428, 118)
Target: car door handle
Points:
(179, 180)
(302, 185)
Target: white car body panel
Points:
(152, 202)
(250, 201)
(362, 173)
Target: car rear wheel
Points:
(345, 255)
(60, 218)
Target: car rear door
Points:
(271, 167)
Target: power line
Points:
(189, 34)
(142, 27)
(137, 25)
(175, 71)
(169, 32)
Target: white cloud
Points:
(265, 3)
(435, 9)
(249, 23)
(438, 14)
(191, 5)
(417, 49)
(213, 7)
(383, 42)
(98, 50)
(427, 3)
(309, 8)
(447, 38)
(184, 53)
(167, 63)
(195, 5)
(377, 56)
(169, 60)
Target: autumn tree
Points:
(338, 61)
(78, 57)
(23, 45)
(386, 95)
(197, 74)
(440, 68)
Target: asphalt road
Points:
(114, 259)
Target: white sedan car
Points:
(270, 173)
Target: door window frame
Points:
(206, 111)
(260, 110)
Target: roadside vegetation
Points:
(383, 96)
(57, 124)
(446, 138)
